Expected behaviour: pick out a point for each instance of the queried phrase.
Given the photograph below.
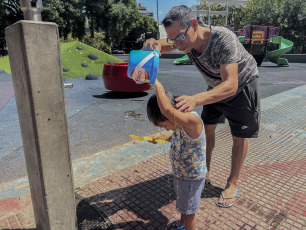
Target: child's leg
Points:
(190, 221)
(188, 195)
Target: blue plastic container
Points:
(143, 66)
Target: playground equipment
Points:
(115, 78)
(182, 61)
(135, 76)
(261, 42)
(284, 47)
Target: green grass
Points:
(73, 58)
(5, 64)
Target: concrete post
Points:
(34, 54)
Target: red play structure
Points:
(115, 78)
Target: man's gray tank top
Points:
(224, 48)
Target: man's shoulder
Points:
(220, 31)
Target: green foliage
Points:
(115, 17)
(120, 16)
(70, 38)
(292, 18)
(289, 16)
(262, 12)
(237, 16)
(143, 24)
(67, 14)
(3, 25)
(9, 14)
(96, 13)
(97, 42)
(218, 7)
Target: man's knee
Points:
(210, 130)
(239, 141)
(210, 136)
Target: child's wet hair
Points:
(154, 114)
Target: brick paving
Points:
(272, 183)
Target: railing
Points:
(259, 33)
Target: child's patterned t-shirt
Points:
(187, 155)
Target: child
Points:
(187, 153)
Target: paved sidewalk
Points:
(272, 182)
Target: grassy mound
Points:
(5, 64)
(72, 58)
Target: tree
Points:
(97, 42)
(292, 17)
(9, 14)
(67, 15)
(140, 26)
(3, 25)
(289, 16)
(119, 20)
(238, 16)
(97, 14)
(115, 17)
(12, 10)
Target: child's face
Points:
(168, 125)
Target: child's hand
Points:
(162, 136)
(157, 83)
(154, 137)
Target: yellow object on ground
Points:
(146, 138)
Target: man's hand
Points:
(185, 103)
(151, 44)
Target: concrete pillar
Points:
(34, 54)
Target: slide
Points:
(241, 39)
(284, 47)
(183, 60)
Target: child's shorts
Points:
(188, 194)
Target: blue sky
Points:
(165, 5)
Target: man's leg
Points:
(239, 151)
(210, 145)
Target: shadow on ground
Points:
(121, 95)
(141, 205)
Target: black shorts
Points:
(242, 112)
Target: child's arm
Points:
(191, 123)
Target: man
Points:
(232, 77)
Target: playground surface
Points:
(126, 184)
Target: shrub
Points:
(69, 38)
(97, 42)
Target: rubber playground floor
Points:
(128, 184)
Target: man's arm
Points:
(228, 88)
(191, 123)
(161, 45)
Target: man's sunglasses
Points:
(179, 38)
